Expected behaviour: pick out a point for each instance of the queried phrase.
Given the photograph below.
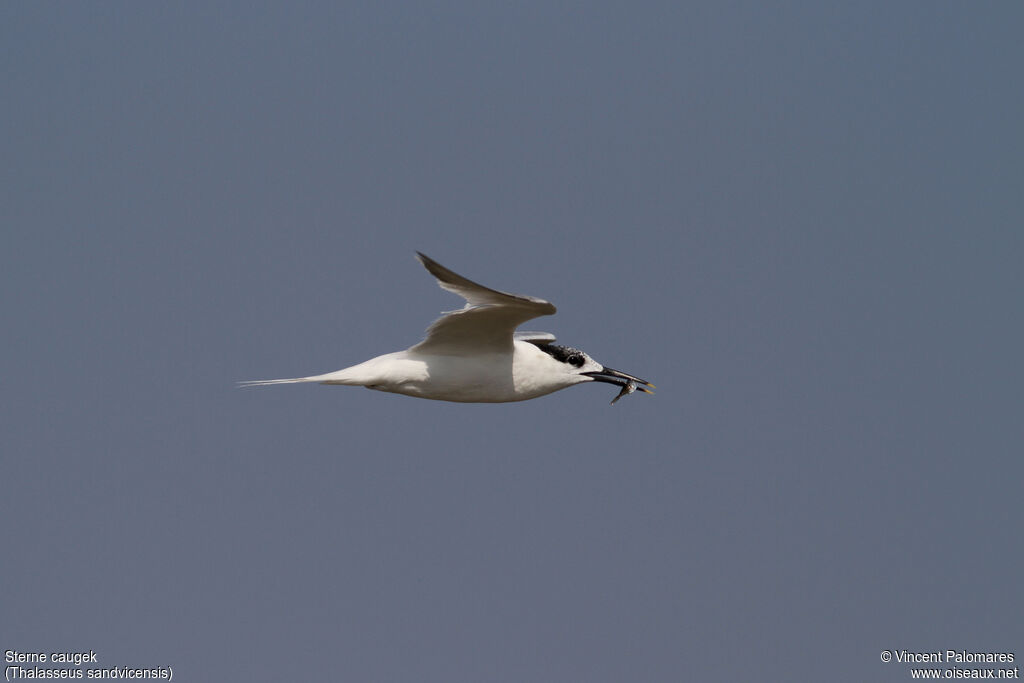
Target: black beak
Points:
(620, 379)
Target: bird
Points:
(475, 354)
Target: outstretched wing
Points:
(485, 323)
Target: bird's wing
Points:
(486, 322)
(538, 338)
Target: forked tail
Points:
(337, 377)
(266, 382)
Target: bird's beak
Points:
(619, 379)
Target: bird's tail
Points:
(337, 377)
(266, 382)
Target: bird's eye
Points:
(576, 360)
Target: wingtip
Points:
(432, 266)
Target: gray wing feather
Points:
(538, 338)
(488, 320)
(476, 294)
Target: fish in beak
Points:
(629, 383)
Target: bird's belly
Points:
(488, 379)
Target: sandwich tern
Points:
(474, 354)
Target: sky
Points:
(801, 220)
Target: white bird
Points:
(474, 354)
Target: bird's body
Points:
(474, 355)
(480, 378)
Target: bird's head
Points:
(583, 368)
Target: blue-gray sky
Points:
(802, 221)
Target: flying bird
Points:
(475, 355)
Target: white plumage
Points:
(474, 355)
